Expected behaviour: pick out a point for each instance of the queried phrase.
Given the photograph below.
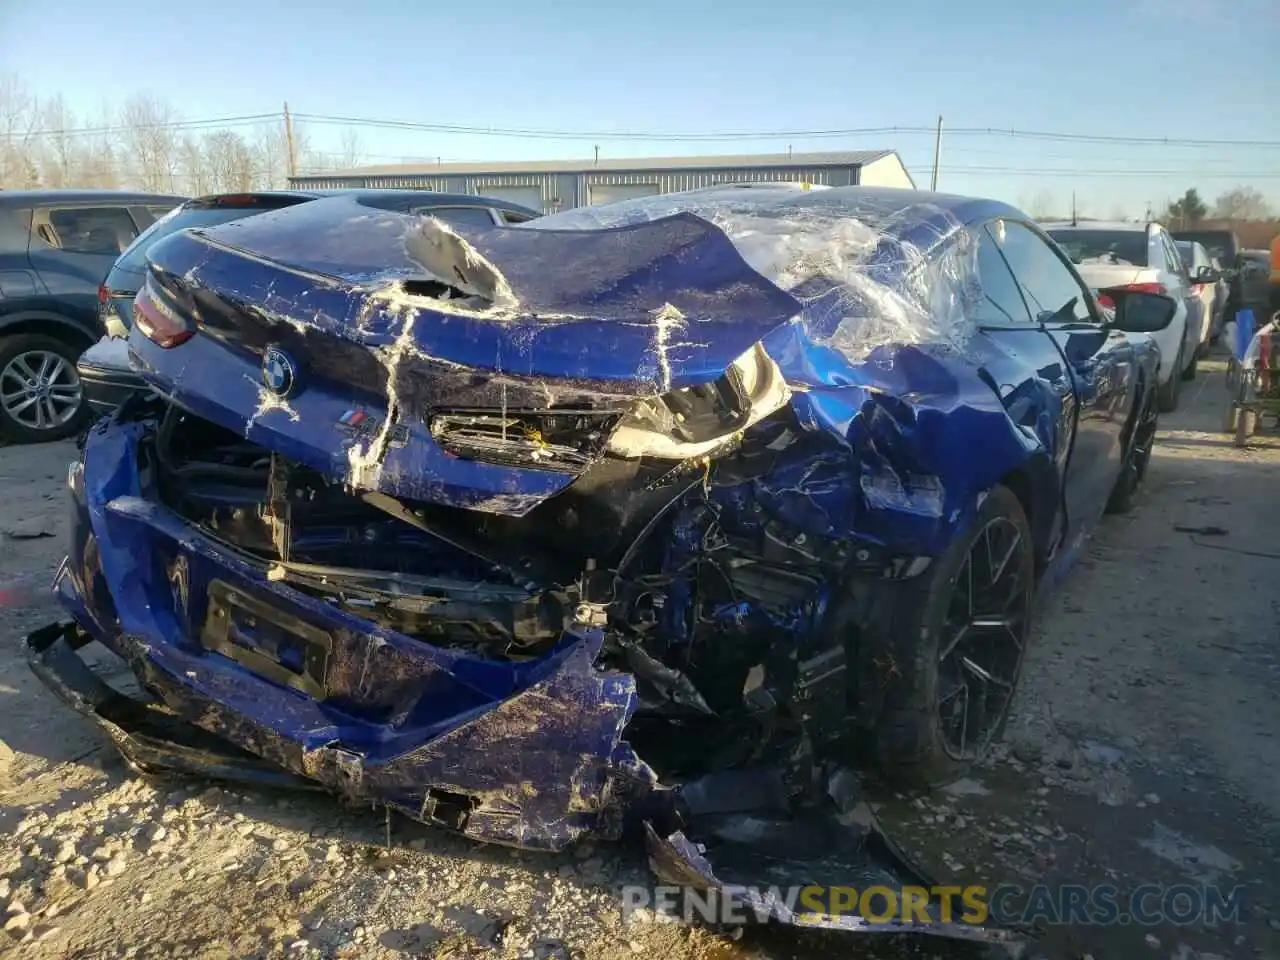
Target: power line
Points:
(1052, 172)
(552, 134)
(212, 122)
(664, 136)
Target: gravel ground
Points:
(1142, 750)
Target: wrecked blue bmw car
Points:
(653, 516)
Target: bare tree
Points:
(60, 155)
(100, 163)
(150, 138)
(1119, 214)
(19, 120)
(271, 153)
(191, 160)
(1039, 206)
(1241, 203)
(229, 161)
(352, 150)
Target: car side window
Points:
(510, 216)
(1052, 292)
(1001, 303)
(97, 230)
(459, 216)
(1172, 260)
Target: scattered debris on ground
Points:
(1143, 750)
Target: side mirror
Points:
(1205, 275)
(1135, 311)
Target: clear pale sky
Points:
(1203, 69)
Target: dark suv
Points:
(55, 248)
(104, 369)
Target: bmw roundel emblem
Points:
(278, 372)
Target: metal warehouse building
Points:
(553, 185)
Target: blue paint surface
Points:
(892, 452)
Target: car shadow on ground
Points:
(1088, 792)
(1143, 750)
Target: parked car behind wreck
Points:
(645, 516)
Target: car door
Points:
(72, 248)
(1098, 361)
(1023, 362)
(1178, 282)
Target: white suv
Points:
(1141, 256)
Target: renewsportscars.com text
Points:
(1005, 905)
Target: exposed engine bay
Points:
(709, 598)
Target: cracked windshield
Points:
(755, 484)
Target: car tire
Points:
(1193, 367)
(909, 648)
(27, 353)
(1172, 388)
(1137, 457)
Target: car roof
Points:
(918, 217)
(1211, 232)
(1110, 226)
(27, 198)
(364, 193)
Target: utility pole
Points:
(1075, 220)
(937, 154)
(288, 139)
(597, 155)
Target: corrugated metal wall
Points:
(561, 191)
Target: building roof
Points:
(840, 158)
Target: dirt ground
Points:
(1143, 750)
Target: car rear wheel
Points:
(40, 394)
(946, 648)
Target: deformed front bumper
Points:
(748, 858)
(531, 755)
(151, 739)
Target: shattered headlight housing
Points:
(679, 425)
(567, 439)
(696, 421)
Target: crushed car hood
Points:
(637, 309)
(385, 319)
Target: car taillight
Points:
(1106, 301)
(103, 293)
(1197, 288)
(1159, 288)
(158, 321)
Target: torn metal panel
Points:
(559, 529)
(761, 863)
(870, 267)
